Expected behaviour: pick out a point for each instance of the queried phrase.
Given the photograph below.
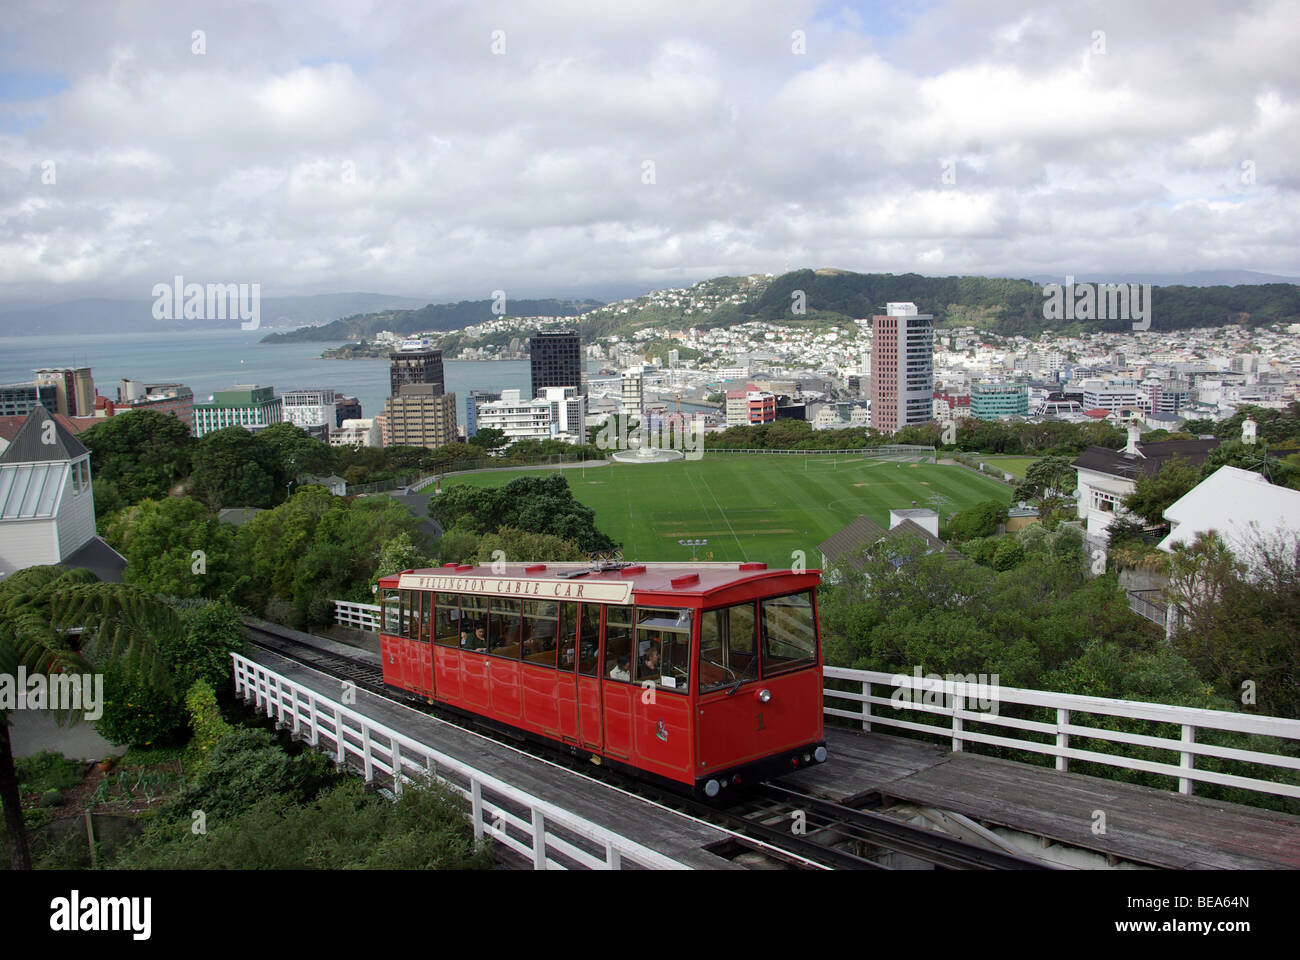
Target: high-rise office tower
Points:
(420, 416)
(416, 362)
(557, 361)
(902, 368)
(74, 387)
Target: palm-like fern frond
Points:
(120, 624)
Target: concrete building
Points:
(902, 368)
(421, 415)
(244, 405)
(473, 400)
(990, 400)
(357, 432)
(345, 408)
(555, 358)
(633, 391)
(416, 362)
(20, 399)
(74, 389)
(311, 410)
(47, 505)
(568, 413)
(517, 418)
(173, 399)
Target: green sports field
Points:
(754, 507)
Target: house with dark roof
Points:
(849, 543)
(47, 507)
(1107, 477)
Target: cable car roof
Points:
(574, 580)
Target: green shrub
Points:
(48, 771)
(137, 713)
(205, 718)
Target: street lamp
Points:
(693, 544)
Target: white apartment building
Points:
(364, 432)
(633, 391)
(310, 410)
(558, 413)
(1115, 395)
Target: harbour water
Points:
(216, 360)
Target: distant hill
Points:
(440, 316)
(136, 316)
(1195, 278)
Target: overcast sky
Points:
(406, 147)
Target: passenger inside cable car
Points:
(620, 669)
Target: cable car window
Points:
(589, 641)
(728, 654)
(446, 622)
(504, 629)
(789, 636)
(426, 614)
(540, 629)
(473, 623)
(567, 640)
(664, 647)
(618, 643)
(392, 613)
(409, 617)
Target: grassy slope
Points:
(754, 507)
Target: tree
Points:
(176, 548)
(521, 545)
(537, 504)
(1049, 482)
(119, 626)
(981, 520)
(489, 438)
(398, 554)
(296, 452)
(1155, 494)
(140, 452)
(232, 469)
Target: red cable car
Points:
(702, 676)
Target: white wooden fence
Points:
(546, 835)
(362, 616)
(960, 702)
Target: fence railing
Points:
(362, 616)
(546, 835)
(954, 701)
(1141, 603)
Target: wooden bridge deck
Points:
(1142, 825)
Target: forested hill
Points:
(837, 296)
(440, 316)
(1010, 306)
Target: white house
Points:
(1242, 507)
(47, 509)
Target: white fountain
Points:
(644, 453)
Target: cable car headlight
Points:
(711, 788)
(820, 754)
(764, 695)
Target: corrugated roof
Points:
(848, 542)
(1154, 456)
(30, 446)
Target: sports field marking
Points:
(724, 515)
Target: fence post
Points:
(312, 718)
(476, 806)
(957, 705)
(1062, 738)
(340, 740)
(539, 840)
(866, 706)
(396, 757)
(612, 859)
(366, 761)
(1187, 759)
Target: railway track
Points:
(794, 829)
